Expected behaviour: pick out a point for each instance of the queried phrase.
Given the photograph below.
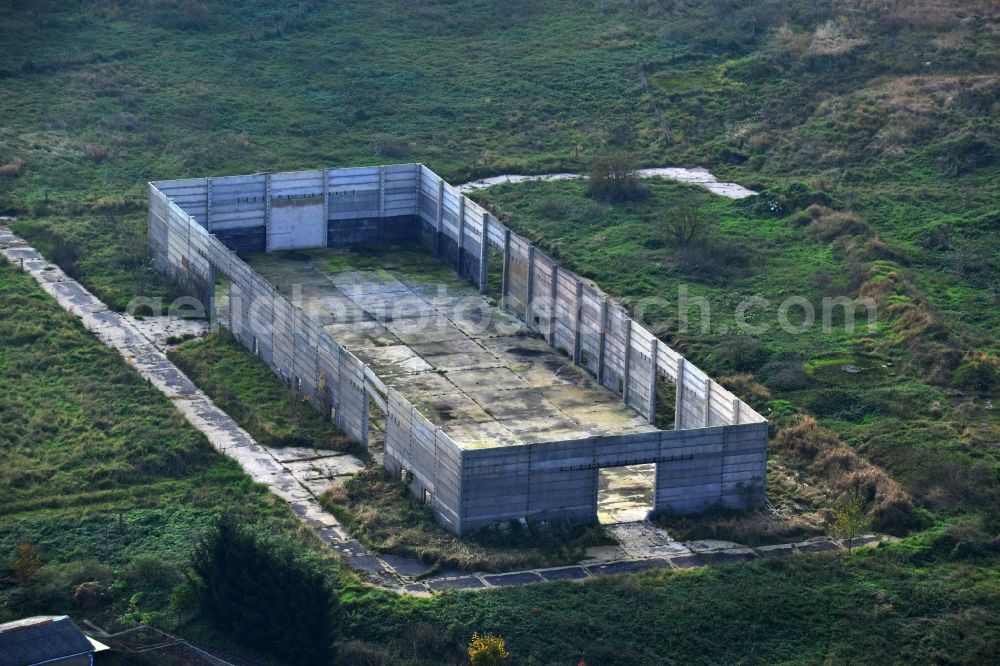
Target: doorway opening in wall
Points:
(376, 427)
(625, 494)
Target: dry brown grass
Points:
(829, 225)
(833, 37)
(838, 460)
(12, 168)
(805, 439)
(880, 288)
(747, 388)
(96, 152)
(241, 142)
(845, 473)
(753, 529)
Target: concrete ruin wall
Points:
(717, 453)
(695, 470)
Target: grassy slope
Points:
(97, 101)
(894, 414)
(97, 465)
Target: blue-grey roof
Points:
(36, 640)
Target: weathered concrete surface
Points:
(697, 176)
(481, 379)
(625, 494)
(166, 331)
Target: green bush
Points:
(615, 179)
(965, 154)
(980, 374)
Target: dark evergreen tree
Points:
(264, 593)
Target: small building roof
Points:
(39, 639)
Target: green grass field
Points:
(99, 470)
(249, 392)
(884, 114)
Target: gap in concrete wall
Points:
(666, 404)
(376, 430)
(494, 274)
(219, 316)
(625, 494)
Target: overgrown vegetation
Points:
(105, 486)
(382, 514)
(108, 253)
(615, 179)
(274, 414)
(867, 382)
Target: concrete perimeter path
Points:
(696, 176)
(642, 545)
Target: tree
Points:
(264, 593)
(684, 223)
(488, 650)
(614, 179)
(849, 519)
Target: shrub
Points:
(96, 152)
(896, 515)
(391, 147)
(91, 595)
(784, 374)
(51, 588)
(849, 520)
(684, 223)
(965, 154)
(739, 353)
(970, 261)
(979, 372)
(488, 650)
(615, 179)
(951, 483)
(962, 541)
(358, 653)
(832, 225)
(27, 561)
(939, 237)
(147, 572)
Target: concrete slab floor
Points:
(624, 494)
(469, 367)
